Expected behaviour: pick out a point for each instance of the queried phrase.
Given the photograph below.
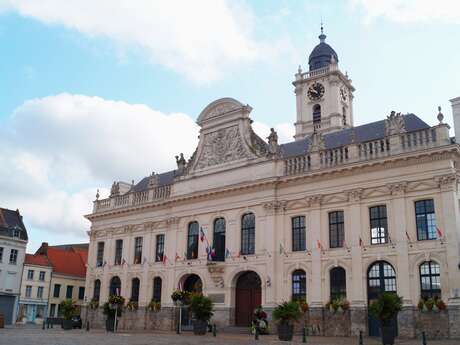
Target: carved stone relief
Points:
(394, 124)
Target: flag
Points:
(177, 257)
(389, 239)
(407, 236)
(360, 242)
(213, 252)
(123, 261)
(228, 254)
(439, 232)
(164, 259)
(318, 243)
(202, 235)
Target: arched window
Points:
(192, 240)
(430, 280)
(316, 113)
(344, 116)
(97, 290)
(248, 234)
(115, 286)
(299, 285)
(135, 285)
(338, 282)
(156, 289)
(218, 246)
(381, 278)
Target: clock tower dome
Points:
(324, 95)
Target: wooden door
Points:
(248, 298)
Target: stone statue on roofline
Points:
(181, 162)
(153, 180)
(394, 124)
(115, 190)
(316, 141)
(273, 147)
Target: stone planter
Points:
(388, 335)
(200, 327)
(67, 324)
(285, 331)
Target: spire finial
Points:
(322, 37)
(440, 115)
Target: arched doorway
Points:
(193, 284)
(115, 286)
(381, 277)
(248, 297)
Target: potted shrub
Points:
(201, 307)
(286, 314)
(385, 309)
(67, 308)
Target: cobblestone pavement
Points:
(56, 336)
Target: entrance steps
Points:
(234, 330)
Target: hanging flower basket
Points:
(94, 304)
(132, 305)
(154, 306)
(181, 297)
(431, 304)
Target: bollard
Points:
(87, 326)
(256, 335)
(360, 337)
(214, 330)
(44, 324)
(304, 335)
(423, 338)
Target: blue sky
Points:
(78, 79)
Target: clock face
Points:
(343, 94)
(315, 91)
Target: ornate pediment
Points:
(226, 136)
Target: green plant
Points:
(202, 307)
(338, 305)
(181, 296)
(132, 305)
(431, 304)
(287, 312)
(386, 307)
(67, 308)
(154, 305)
(115, 299)
(94, 303)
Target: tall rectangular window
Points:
(100, 254)
(138, 250)
(425, 220)
(41, 276)
(81, 292)
(118, 252)
(40, 292)
(192, 241)
(28, 290)
(57, 290)
(30, 275)
(13, 256)
(69, 291)
(379, 224)
(160, 247)
(298, 234)
(52, 310)
(248, 234)
(1, 254)
(336, 229)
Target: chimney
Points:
(456, 115)
(43, 250)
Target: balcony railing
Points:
(365, 151)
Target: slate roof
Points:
(368, 132)
(363, 133)
(11, 222)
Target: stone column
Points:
(398, 228)
(450, 225)
(357, 291)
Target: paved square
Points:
(56, 336)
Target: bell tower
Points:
(324, 95)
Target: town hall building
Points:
(341, 212)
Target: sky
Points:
(97, 91)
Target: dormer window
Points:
(316, 113)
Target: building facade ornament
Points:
(447, 182)
(394, 124)
(275, 207)
(273, 147)
(397, 188)
(355, 195)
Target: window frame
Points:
(336, 228)
(138, 243)
(81, 292)
(193, 240)
(316, 113)
(248, 235)
(40, 292)
(157, 287)
(218, 256)
(135, 289)
(425, 223)
(69, 292)
(159, 247)
(28, 291)
(100, 254)
(42, 276)
(13, 256)
(431, 292)
(337, 291)
(1, 254)
(30, 274)
(381, 221)
(97, 290)
(299, 233)
(118, 256)
(56, 288)
(299, 285)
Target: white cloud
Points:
(56, 151)
(411, 11)
(201, 39)
(285, 131)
